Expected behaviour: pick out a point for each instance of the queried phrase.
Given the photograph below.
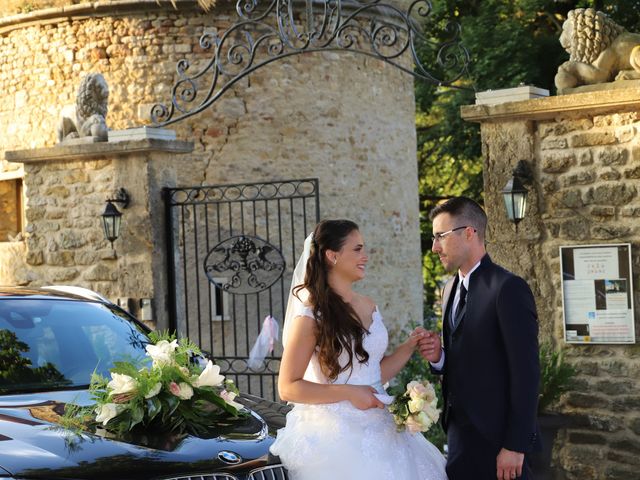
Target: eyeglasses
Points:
(441, 236)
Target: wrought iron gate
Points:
(231, 254)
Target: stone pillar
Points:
(584, 150)
(66, 190)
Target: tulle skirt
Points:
(339, 442)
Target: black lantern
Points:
(112, 218)
(515, 194)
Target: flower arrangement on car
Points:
(170, 393)
(416, 410)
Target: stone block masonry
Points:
(347, 120)
(584, 150)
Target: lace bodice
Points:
(337, 440)
(375, 343)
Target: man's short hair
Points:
(465, 209)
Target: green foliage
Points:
(510, 42)
(166, 393)
(556, 376)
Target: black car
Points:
(51, 342)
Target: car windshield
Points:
(50, 344)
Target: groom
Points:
(490, 355)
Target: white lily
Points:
(162, 352)
(121, 383)
(107, 412)
(153, 391)
(209, 377)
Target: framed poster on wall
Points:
(597, 293)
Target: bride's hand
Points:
(361, 397)
(414, 338)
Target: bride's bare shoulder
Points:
(366, 302)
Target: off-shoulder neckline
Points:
(374, 315)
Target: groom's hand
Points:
(430, 346)
(509, 464)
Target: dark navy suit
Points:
(491, 372)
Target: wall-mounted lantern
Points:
(112, 218)
(515, 193)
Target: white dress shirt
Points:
(462, 280)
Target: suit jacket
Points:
(491, 369)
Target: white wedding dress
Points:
(339, 442)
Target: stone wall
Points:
(64, 242)
(584, 150)
(345, 119)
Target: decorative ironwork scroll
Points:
(269, 30)
(252, 192)
(253, 264)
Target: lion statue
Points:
(87, 118)
(600, 50)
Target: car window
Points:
(47, 343)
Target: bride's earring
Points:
(335, 260)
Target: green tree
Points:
(511, 42)
(16, 370)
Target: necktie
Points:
(461, 302)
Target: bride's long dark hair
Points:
(338, 328)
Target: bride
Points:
(333, 368)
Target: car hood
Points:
(34, 445)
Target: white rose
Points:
(210, 376)
(412, 424)
(162, 352)
(415, 405)
(425, 421)
(430, 395)
(432, 413)
(416, 390)
(154, 391)
(107, 412)
(186, 392)
(121, 383)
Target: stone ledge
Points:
(93, 151)
(593, 103)
(12, 174)
(91, 9)
(103, 8)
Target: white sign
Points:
(597, 293)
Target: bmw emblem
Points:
(229, 457)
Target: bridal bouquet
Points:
(169, 392)
(416, 409)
